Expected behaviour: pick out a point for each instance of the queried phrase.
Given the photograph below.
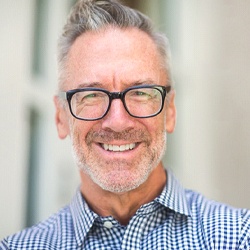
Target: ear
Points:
(61, 119)
(171, 113)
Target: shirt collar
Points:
(172, 197)
(83, 217)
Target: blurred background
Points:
(209, 151)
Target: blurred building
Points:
(209, 150)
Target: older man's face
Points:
(114, 60)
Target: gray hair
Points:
(94, 15)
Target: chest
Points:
(159, 230)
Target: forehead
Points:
(113, 56)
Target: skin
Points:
(117, 183)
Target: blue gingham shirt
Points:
(177, 219)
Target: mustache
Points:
(108, 136)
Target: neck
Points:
(122, 206)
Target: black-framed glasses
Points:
(90, 104)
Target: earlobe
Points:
(61, 119)
(171, 113)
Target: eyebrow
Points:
(90, 85)
(127, 85)
(143, 82)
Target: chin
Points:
(120, 182)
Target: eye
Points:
(144, 93)
(141, 93)
(89, 96)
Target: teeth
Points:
(116, 148)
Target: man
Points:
(116, 103)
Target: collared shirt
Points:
(177, 219)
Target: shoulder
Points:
(49, 234)
(201, 206)
(220, 222)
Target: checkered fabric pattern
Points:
(177, 219)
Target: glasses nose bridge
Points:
(116, 95)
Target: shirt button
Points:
(108, 224)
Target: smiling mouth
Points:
(118, 148)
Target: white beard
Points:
(119, 175)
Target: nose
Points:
(118, 119)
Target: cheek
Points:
(79, 130)
(156, 127)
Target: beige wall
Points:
(22, 90)
(15, 54)
(211, 53)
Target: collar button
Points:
(108, 224)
